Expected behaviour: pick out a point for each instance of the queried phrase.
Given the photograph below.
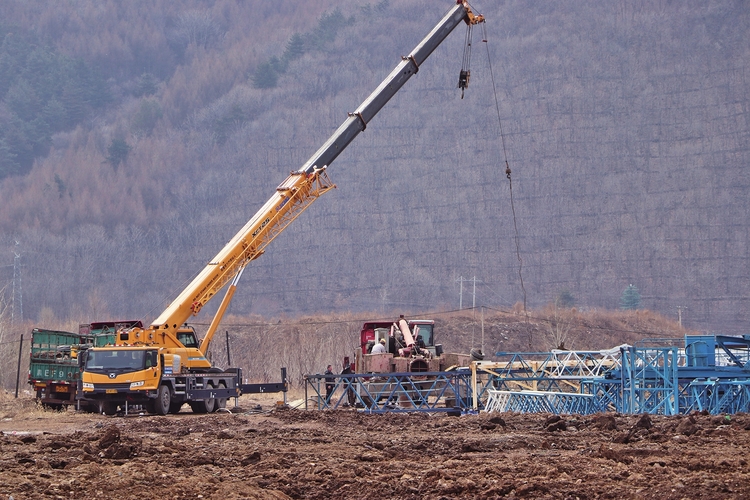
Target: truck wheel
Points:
(221, 403)
(211, 403)
(205, 405)
(107, 407)
(198, 406)
(163, 400)
(89, 407)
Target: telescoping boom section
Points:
(291, 198)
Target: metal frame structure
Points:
(543, 402)
(711, 373)
(718, 396)
(391, 392)
(648, 381)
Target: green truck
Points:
(54, 371)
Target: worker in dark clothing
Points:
(330, 383)
(351, 398)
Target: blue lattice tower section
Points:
(718, 396)
(607, 392)
(648, 380)
(716, 374)
(558, 403)
(392, 392)
(557, 382)
(711, 373)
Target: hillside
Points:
(626, 128)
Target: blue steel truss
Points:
(718, 396)
(649, 380)
(711, 374)
(543, 402)
(392, 392)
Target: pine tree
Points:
(118, 151)
(565, 299)
(266, 76)
(630, 299)
(295, 48)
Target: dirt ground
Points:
(262, 451)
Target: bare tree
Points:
(6, 347)
(197, 27)
(559, 324)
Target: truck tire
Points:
(163, 400)
(204, 405)
(198, 406)
(107, 407)
(210, 403)
(221, 403)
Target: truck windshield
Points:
(120, 360)
(425, 332)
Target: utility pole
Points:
(482, 329)
(474, 293)
(461, 291)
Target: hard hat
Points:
(382, 341)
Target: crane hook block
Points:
(463, 80)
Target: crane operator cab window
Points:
(187, 338)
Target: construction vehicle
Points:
(53, 367)
(409, 351)
(54, 371)
(410, 348)
(164, 366)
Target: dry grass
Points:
(307, 345)
(23, 407)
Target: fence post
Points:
(18, 369)
(229, 357)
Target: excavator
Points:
(164, 366)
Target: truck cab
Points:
(115, 374)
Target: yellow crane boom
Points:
(291, 198)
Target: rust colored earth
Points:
(280, 453)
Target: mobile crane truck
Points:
(164, 366)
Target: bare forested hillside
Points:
(626, 127)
